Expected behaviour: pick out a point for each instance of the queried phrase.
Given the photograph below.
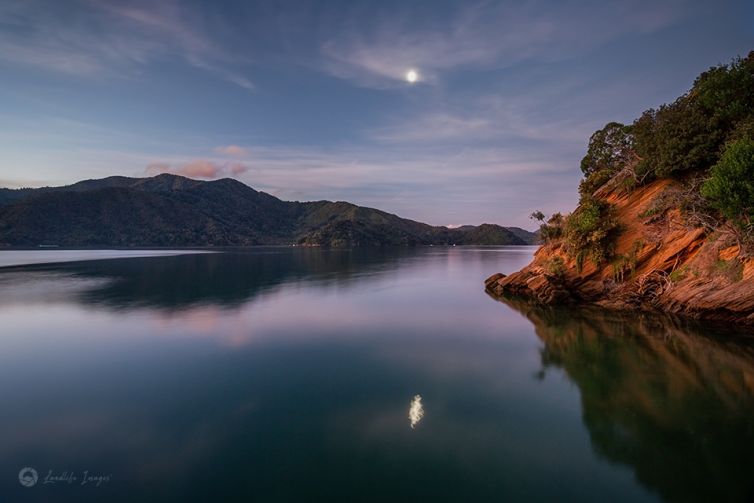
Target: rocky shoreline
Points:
(662, 262)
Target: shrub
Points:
(555, 267)
(553, 229)
(730, 188)
(550, 230)
(624, 266)
(677, 275)
(590, 231)
(731, 269)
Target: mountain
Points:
(527, 236)
(170, 210)
(665, 220)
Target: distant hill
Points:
(169, 210)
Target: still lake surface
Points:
(289, 374)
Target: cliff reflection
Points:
(673, 400)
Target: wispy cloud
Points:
(232, 150)
(484, 35)
(434, 126)
(97, 38)
(529, 110)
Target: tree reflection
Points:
(672, 399)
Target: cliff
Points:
(665, 219)
(662, 262)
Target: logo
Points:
(28, 477)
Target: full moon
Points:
(412, 76)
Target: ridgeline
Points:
(168, 210)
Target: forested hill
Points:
(169, 210)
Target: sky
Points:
(310, 100)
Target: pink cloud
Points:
(194, 169)
(232, 150)
(199, 168)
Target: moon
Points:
(412, 76)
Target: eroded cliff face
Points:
(663, 261)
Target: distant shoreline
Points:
(48, 256)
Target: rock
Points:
(488, 283)
(677, 268)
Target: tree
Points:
(675, 138)
(727, 92)
(688, 134)
(610, 148)
(730, 188)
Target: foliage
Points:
(733, 269)
(537, 215)
(675, 138)
(730, 188)
(685, 197)
(677, 275)
(688, 134)
(681, 137)
(555, 267)
(590, 231)
(552, 229)
(624, 266)
(610, 149)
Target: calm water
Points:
(288, 375)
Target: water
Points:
(27, 257)
(365, 375)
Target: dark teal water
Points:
(288, 374)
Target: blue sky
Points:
(309, 100)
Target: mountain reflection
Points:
(227, 279)
(673, 400)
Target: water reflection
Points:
(415, 411)
(672, 399)
(227, 279)
(283, 375)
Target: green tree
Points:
(688, 134)
(675, 138)
(610, 148)
(730, 188)
(726, 92)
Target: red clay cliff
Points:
(667, 263)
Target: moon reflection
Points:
(416, 411)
